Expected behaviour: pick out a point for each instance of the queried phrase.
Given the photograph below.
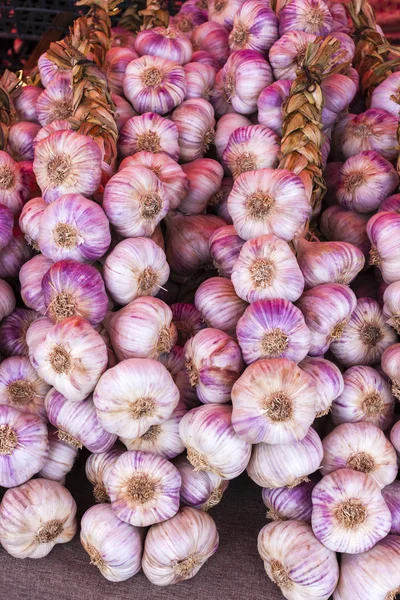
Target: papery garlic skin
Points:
(310, 16)
(161, 41)
(280, 465)
(187, 320)
(296, 561)
(270, 103)
(71, 358)
(287, 504)
(214, 362)
(384, 95)
(205, 178)
(143, 488)
(274, 402)
(212, 37)
(267, 268)
(391, 495)
(287, 54)
(327, 309)
(255, 27)
(176, 549)
(195, 121)
(114, 547)
(60, 459)
(134, 395)
(219, 304)
(365, 337)
(375, 129)
(268, 201)
(23, 446)
(21, 388)
(212, 445)
(366, 397)
(200, 489)
(226, 125)
(362, 447)
(7, 299)
(251, 148)
(200, 79)
(338, 224)
(97, 468)
(14, 188)
(35, 517)
(13, 332)
(349, 513)
(382, 230)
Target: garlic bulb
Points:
(204, 58)
(195, 121)
(382, 230)
(273, 328)
(142, 329)
(25, 102)
(30, 278)
(143, 488)
(375, 129)
(7, 299)
(310, 16)
(212, 444)
(174, 362)
(297, 562)
(67, 162)
(35, 517)
(60, 459)
(21, 387)
(115, 67)
(57, 125)
(268, 201)
(270, 103)
(364, 337)
(14, 187)
(135, 267)
(134, 395)
(395, 436)
(187, 19)
(385, 95)
(338, 224)
(225, 246)
(23, 446)
(214, 362)
(327, 309)
(200, 80)
(391, 496)
(29, 220)
(154, 84)
(287, 504)
(274, 402)
(267, 268)
(187, 320)
(251, 148)
(390, 204)
(391, 367)
(200, 489)
(349, 513)
(123, 111)
(114, 547)
(255, 27)
(97, 468)
(212, 37)
(149, 132)
(205, 177)
(13, 332)
(281, 465)
(135, 201)
(328, 381)
(219, 202)
(36, 334)
(177, 549)
(56, 102)
(14, 255)
(71, 358)
(20, 140)
(219, 305)
(161, 41)
(223, 12)
(123, 38)
(6, 225)
(226, 125)
(287, 54)
(339, 91)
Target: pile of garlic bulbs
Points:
(161, 307)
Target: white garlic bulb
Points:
(21, 387)
(97, 468)
(328, 381)
(200, 489)
(60, 459)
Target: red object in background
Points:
(388, 16)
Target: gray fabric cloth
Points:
(235, 572)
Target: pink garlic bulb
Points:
(25, 101)
(6, 225)
(14, 255)
(123, 111)
(161, 41)
(187, 20)
(287, 54)
(60, 459)
(226, 125)
(328, 381)
(391, 367)
(149, 132)
(331, 176)
(223, 12)
(56, 102)
(7, 299)
(123, 38)
(383, 231)
(200, 489)
(20, 140)
(391, 306)
(255, 27)
(339, 91)
(204, 177)
(97, 468)
(310, 16)
(116, 61)
(288, 504)
(57, 125)
(187, 320)
(174, 362)
(30, 278)
(390, 204)
(14, 187)
(21, 387)
(204, 58)
(219, 305)
(338, 224)
(249, 149)
(200, 79)
(212, 37)
(13, 332)
(385, 94)
(270, 103)
(29, 220)
(195, 121)
(225, 246)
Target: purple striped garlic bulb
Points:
(123, 111)
(195, 121)
(223, 11)
(340, 225)
(14, 187)
(60, 459)
(349, 513)
(270, 103)
(23, 446)
(219, 304)
(204, 58)
(57, 125)
(225, 246)
(289, 503)
(297, 562)
(36, 334)
(205, 178)
(14, 255)
(13, 332)
(391, 495)
(29, 220)
(6, 225)
(20, 140)
(339, 91)
(310, 16)
(328, 381)
(174, 362)
(30, 278)
(25, 101)
(391, 367)
(97, 468)
(117, 60)
(287, 54)
(188, 19)
(114, 547)
(255, 27)
(395, 436)
(274, 402)
(21, 387)
(251, 148)
(212, 37)
(383, 231)
(56, 101)
(143, 488)
(161, 41)
(385, 95)
(200, 489)
(226, 125)
(35, 517)
(200, 80)
(187, 320)
(149, 132)
(7, 299)
(134, 395)
(391, 306)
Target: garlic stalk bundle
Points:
(225, 246)
(123, 111)
(133, 396)
(13, 332)
(327, 309)
(390, 204)
(14, 255)
(226, 125)
(274, 402)
(60, 459)
(200, 80)
(223, 11)
(56, 102)
(340, 225)
(177, 549)
(174, 362)
(204, 58)
(67, 162)
(287, 54)
(187, 320)
(366, 397)
(71, 358)
(161, 41)
(154, 84)
(6, 225)
(391, 306)
(349, 513)
(268, 201)
(289, 464)
(255, 27)
(77, 422)
(97, 468)
(328, 381)
(143, 488)
(211, 442)
(309, 16)
(135, 267)
(30, 278)
(365, 180)
(36, 334)
(115, 66)
(20, 140)
(35, 517)
(270, 103)
(273, 328)
(364, 337)
(383, 231)
(7, 299)
(296, 561)
(204, 176)
(195, 121)
(149, 132)
(385, 95)
(219, 304)
(29, 220)
(14, 187)
(214, 362)
(267, 268)
(251, 148)
(288, 504)
(212, 37)
(362, 447)
(114, 547)
(391, 495)
(200, 489)
(142, 329)
(23, 446)
(25, 102)
(21, 388)
(328, 262)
